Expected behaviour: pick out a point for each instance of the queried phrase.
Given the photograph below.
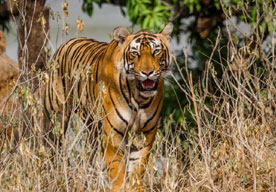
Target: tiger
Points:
(126, 78)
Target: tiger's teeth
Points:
(148, 87)
(143, 86)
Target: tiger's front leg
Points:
(138, 160)
(114, 146)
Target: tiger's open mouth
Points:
(147, 85)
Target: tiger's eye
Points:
(134, 54)
(156, 52)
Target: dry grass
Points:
(232, 148)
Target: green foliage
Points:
(87, 6)
(150, 15)
(192, 4)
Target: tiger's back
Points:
(72, 74)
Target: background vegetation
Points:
(219, 130)
(206, 18)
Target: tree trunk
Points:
(33, 34)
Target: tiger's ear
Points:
(120, 34)
(167, 31)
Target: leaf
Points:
(123, 11)
(175, 2)
(146, 12)
(157, 2)
(254, 13)
(191, 8)
(198, 7)
(83, 7)
(167, 14)
(146, 22)
(151, 23)
(159, 23)
(160, 8)
(135, 11)
(217, 5)
(272, 28)
(146, 1)
(99, 2)
(90, 9)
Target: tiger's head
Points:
(145, 57)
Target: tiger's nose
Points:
(147, 73)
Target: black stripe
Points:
(68, 50)
(153, 113)
(79, 84)
(138, 40)
(114, 160)
(61, 68)
(128, 88)
(149, 34)
(84, 55)
(126, 58)
(146, 105)
(76, 60)
(150, 130)
(151, 39)
(138, 35)
(117, 131)
(97, 69)
(145, 34)
(148, 145)
(50, 87)
(134, 159)
(145, 98)
(98, 63)
(76, 52)
(136, 101)
(121, 89)
(117, 112)
(90, 51)
(124, 96)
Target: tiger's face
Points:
(145, 58)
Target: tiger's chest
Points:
(140, 120)
(125, 110)
(134, 119)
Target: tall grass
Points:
(231, 148)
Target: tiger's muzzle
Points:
(147, 83)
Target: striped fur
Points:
(124, 77)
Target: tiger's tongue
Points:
(148, 84)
